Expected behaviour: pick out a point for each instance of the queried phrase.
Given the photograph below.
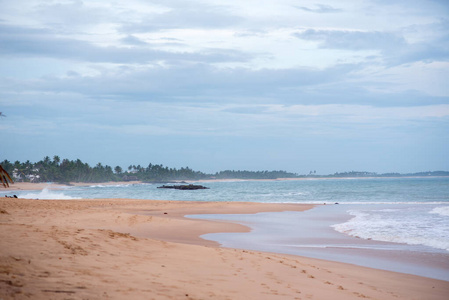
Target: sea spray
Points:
(46, 194)
(442, 210)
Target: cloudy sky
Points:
(295, 85)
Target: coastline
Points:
(28, 186)
(143, 249)
(310, 233)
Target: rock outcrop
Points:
(183, 187)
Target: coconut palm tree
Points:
(4, 176)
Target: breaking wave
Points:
(443, 211)
(413, 225)
(46, 194)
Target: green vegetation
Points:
(65, 171)
(58, 170)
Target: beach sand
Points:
(145, 249)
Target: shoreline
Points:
(28, 186)
(143, 249)
(309, 233)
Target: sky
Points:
(328, 86)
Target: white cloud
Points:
(319, 8)
(355, 40)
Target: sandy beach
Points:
(145, 249)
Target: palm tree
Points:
(4, 176)
(56, 160)
(118, 170)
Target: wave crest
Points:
(413, 225)
(46, 194)
(443, 211)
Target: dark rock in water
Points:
(183, 187)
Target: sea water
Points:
(394, 211)
(316, 191)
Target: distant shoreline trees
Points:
(66, 171)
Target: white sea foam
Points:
(414, 225)
(110, 185)
(46, 194)
(443, 211)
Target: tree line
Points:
(65, 171)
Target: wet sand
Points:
(143, 249)
(309, 233)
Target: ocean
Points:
(403, 216)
